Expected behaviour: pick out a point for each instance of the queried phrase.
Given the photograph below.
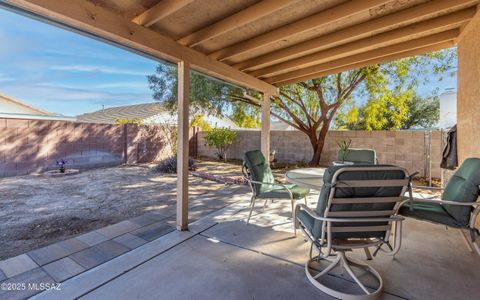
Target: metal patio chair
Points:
(356, 210)
(260, 178)
(458, 207)
(359, 156)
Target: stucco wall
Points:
(401, 148)
(468, 91)
(29, 146)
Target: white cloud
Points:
(71, 101)
(97, 69)
(5, 78)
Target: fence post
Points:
(125, 143)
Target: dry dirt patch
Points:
(38, 210)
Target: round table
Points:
(311, 178)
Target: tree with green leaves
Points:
(311, 106)
(390, 112)
(221, 139)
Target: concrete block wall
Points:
(401, 148)
(29, 146)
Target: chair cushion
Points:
(359, 156)
(463, 187)
(432, 212)
(355, 193)
(277, 192)
(259, 170)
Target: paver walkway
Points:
(60, 261)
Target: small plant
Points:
(169, 165)
(344, 146)
(61, 165)
(221, 139)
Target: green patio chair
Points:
(259, 176)
(356, 210)
(458, 207)
(359, 156)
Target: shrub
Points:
(344, 146)
(169, 165)
(221, 139)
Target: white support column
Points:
(182, 148)
(265, 134)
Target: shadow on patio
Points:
(223, 258)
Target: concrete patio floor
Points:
(223, 258)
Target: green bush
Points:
(221, 139)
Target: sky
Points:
(67, 73)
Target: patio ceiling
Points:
(260, 45)
(265, 44)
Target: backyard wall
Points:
(28, 146)
(401, 148)
(468, 91)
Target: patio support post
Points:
(182, 148)
(265, 134)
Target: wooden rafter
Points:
(160, 11)
(422, 28)
(357, 31)
(363, 58)
(322, 18)
(95, 20)
(243, 17)
(380, 60)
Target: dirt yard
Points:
(36, 210)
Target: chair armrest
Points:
(314, 215)
(439, 201)
(418, 187)
(272, 184)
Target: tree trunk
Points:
(317, 145)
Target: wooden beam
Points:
(265, 133)
(182, 147)
(99, 22)
(160, 11)
(376, 41)
(357, 31)
(375, 61)
(243, 17)
(377, 53)
(322, 18)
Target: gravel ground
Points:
(37, 210)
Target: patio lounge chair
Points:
(260, 179)
(359, 156)
(356, 210)
(458, 207)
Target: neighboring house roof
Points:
(280, 125)
(110, 115)
(149, 113)
(11, 108)
(9, 105)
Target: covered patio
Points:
(220, 257)
(262, 45)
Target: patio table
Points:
(311, 178)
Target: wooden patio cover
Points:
(261, 45)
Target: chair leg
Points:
(472, 245)
(314, 275)
(293, 217)
(466, 240)
(251, 209)
(367, 253)
(306, 201)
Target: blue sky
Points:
(70, 74)
(65, 72)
